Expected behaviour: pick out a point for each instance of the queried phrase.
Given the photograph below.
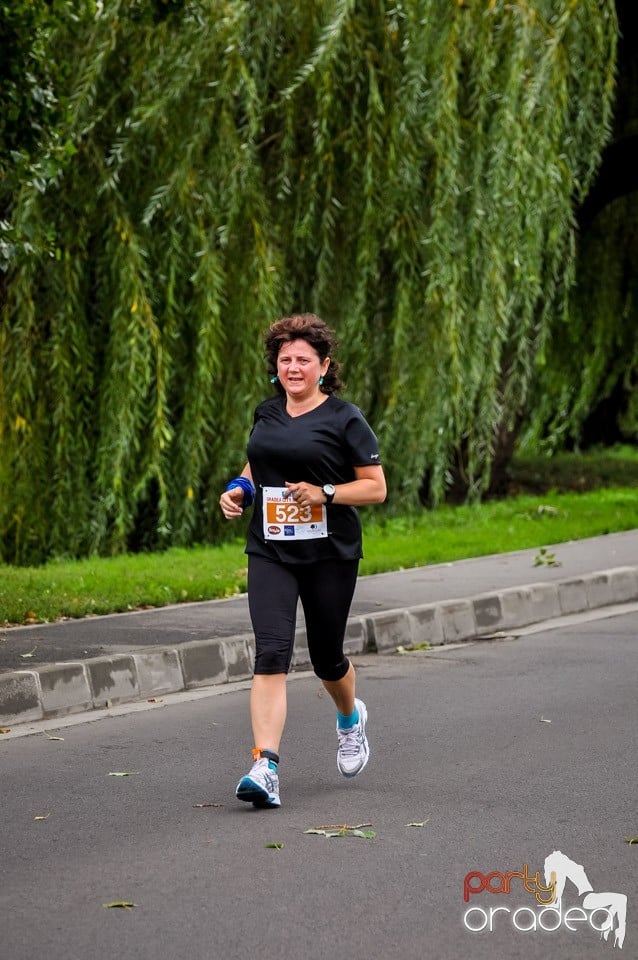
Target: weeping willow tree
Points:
(409, 170)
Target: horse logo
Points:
(614, 904)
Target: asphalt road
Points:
(459, 742)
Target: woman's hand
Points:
(306, 494)
(231, 503)
(368, 487)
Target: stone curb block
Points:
(203, 662)
(238, 661)
(624, 584)
(159, 671)
(113, 680)
(544, 600)
(356, 639)
(517, 607)
(388, 630)
(488, 613)
(457, 617)
(427, 625)
(63, 688)
(599, 592)
(573, 596)
(20, 698)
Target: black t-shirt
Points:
(318, 447)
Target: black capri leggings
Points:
(325, 589)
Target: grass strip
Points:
(135, 581)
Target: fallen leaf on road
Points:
(325, 833)
(124, 773)
(43, 817)
(336, 830)
(198, 806)
(631, 840)
(5, 729)
(417, 823)
(50, 737)
(155, 700)
(342, 826)
(31, 653)
(274, 846)
(123, 904)
(543, 720)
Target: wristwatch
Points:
(329, 492)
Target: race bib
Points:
(286, 520)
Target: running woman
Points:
(312, 459)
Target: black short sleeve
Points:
(360, 439)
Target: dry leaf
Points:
(341, 826)
(50, 737)
(124, 773)
(123, 904)
(198, 806)
(274, 846)
(31, 653)
(343, 831)
(543, 720)
(5, 729)
(417, 823)
(43, 817)
(631, 840)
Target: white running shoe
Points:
(259, 787)
(353, 752)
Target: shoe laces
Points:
(349, 740)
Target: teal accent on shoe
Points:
(261, 786)
(345, 722)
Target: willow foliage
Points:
(406, 169)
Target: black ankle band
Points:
(270, 755)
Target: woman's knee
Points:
(273, 658)
(330, 670)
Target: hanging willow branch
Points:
(407, 170)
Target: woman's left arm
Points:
(368, 487)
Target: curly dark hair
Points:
(312, 329)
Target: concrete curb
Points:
(57, 690)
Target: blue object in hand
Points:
(248, 488)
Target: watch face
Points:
(328, 489)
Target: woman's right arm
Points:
(231, 500)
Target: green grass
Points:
(79, 588)
(517, 523)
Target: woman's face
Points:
(299, 369)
